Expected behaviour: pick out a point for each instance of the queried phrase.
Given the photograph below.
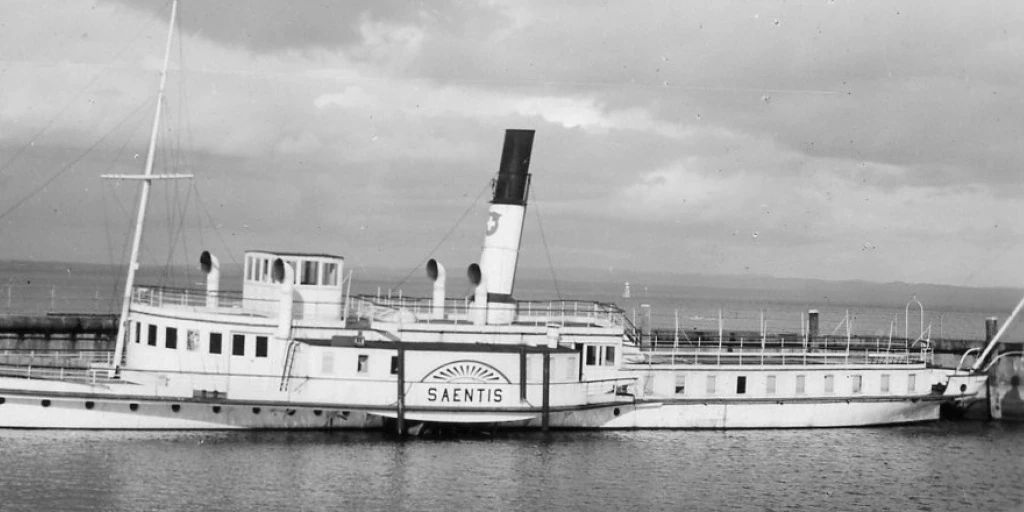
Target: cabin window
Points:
(609, 356)
(265, 270)
(192, 340)
(171, 340)
(830, 383)
(769, 385)
(295, 273)
(261, 346)
(327, 362)
(911, 383)
(680, 384)
(215, 339)
(394, 365)
(248, 268)
(801, 381)
(362, 366)
(138, 332)
(741, 385)
(151, 335)
(856, 383)
(238, 345)
(591, 355)
(711, 385)
(885, 383)
(309, 274)
(330, 275)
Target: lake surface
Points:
(936, 466)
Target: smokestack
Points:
(479, 311)
(436, 273)
(211, 267)
(812, 324)
(505, 225)
(283, 274)
(991, 328)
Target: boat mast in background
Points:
(147, 179)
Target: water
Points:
(935, 466)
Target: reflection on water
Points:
(937, 466)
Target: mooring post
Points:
(546, 398)
(400, 419)
(522, 374)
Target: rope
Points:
(448, 234)
(220, 237)
(547, 251)
(72, 163)
(73, 101)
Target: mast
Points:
(147, 179)
(999, 336)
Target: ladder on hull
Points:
(289, 361)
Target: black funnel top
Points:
(514, 173)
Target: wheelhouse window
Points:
(238, 345)
(830, 384)
(363, 364)
(171, 338)
(609, 356)
(261, 346)
(741, 385)
(330, 275)
(151, 335)
(591, 355)
(309, 272)
(215, 341)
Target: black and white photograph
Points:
(511, 255)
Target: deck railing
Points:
(189, 297)
(78, 375)
(460, 311)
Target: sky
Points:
(832, 140)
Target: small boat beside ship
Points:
(294, 349)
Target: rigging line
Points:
(72, 163)
(216, 230)
(178, 232)
(448, 234)
(70, 103)
(544, 240)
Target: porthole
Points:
(216, 409)
(616, 411)
(255, 410)
(316, 412)
(46, 402)
(133, 407)
(963, 387)
(2, 399)
(291, 412)
(89, 404)
(176, 407)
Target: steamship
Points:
(294, 349)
